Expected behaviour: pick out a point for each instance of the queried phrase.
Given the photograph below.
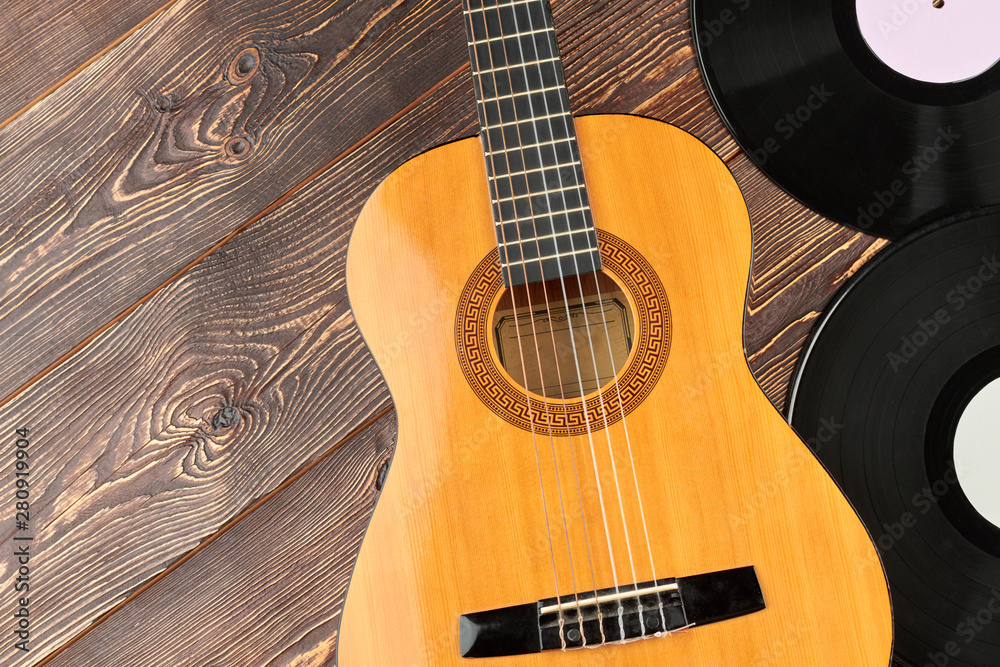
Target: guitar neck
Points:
(541, 210)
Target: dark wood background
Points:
(207, 427)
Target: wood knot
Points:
(238, 147)
(383, 470)
(226, 417)
(243, 66)
(162, 104)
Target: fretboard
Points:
(541, 211)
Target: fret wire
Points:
(538, 145)
(588, 249)
(549, 214)
(546, 237)
(533, 170)
(548, 116)
(548, 89)
(487, 70)
(568, 253)
(540, 31)
(539, 74)
(501, 6)
(547, 191)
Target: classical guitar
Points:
(584, 460)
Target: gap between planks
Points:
(277, 203)
(361, 428)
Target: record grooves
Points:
(891, 365)
(820, 113)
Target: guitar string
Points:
(593, 357)
(635, 480)
(474, 57)
(566, 125)
(534, 334)
(562, 281)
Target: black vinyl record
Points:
(889, 370)
(820, 113)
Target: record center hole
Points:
(977, 451)
(570, 322)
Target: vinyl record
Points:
(801, 87)
(891, 367)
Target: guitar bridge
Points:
(612, 615)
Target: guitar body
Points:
(460, 527)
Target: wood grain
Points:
(246, 329)
(464, 519)
(134, 466)
(282, 598)
(107, 518)
(636, 56)
(42, 44)
(305, 241)
(800, 260)
(121, 177)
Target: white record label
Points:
(977, 452)
(937, 41)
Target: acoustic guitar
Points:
(586, 472)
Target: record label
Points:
(939, 41)
(977, 452)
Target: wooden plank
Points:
(43, 44)
(643, 63)
(122, 489)
(282, 597)
(289, 265)
(262, 325)
(121, 178)
(800, 260)
(205, 399)
(332, 202)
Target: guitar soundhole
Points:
(564, 338)
(633, 303)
